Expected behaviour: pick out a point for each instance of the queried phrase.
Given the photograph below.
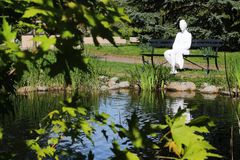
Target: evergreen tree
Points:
(206, 19)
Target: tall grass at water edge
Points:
(233, 67)
(148, 77)
(39, 77)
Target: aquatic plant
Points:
(233, 70)
(36, 76)
(148, 77)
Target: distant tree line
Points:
(206, 19)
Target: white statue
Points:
(180, 47)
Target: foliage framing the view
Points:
(68, 21)
(185, 141)
(61, 25)
(69, 121)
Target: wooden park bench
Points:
(209, 48)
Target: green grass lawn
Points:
(124, 50)
(135, 51)
(116, 68)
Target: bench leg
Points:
(207, 65)
(143, 60)
(152, 61)
(216, 64)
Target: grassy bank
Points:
(111, 69)
(39, 77)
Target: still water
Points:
(28, 110)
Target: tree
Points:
(67, 21)
(206, 19)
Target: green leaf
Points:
(131, 156)
(137, 141)
(48, 151)
(82, 111)
(187, 141)
(87, 129)
(8, 1)
(200, 129)
(45, 42)
(105, 1)
(51, 114)
(38, 1)
(40, 131)
(154, 146)
(67, 34)
(12, 48)
(20, 54)
(32, 11)
(43, 2)
(199, 151)
(33, 145)
(105, 24)
(72, 5)
(158, 126)
(70, 111)
(59, 126)
(102, 117)
(123, 154)
(1, 133)
(8, 35)
(113, 127)
(89, 16)
(25, 24)
(53, 141)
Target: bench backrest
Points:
(196, 43)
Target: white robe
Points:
(180, 47)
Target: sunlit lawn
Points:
(135, 51)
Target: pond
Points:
(28, 110)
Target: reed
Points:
(148, 77)
(234, 74)
(40, 77)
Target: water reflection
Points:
(174, 105)
(28, 111)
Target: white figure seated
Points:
(180, 47)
